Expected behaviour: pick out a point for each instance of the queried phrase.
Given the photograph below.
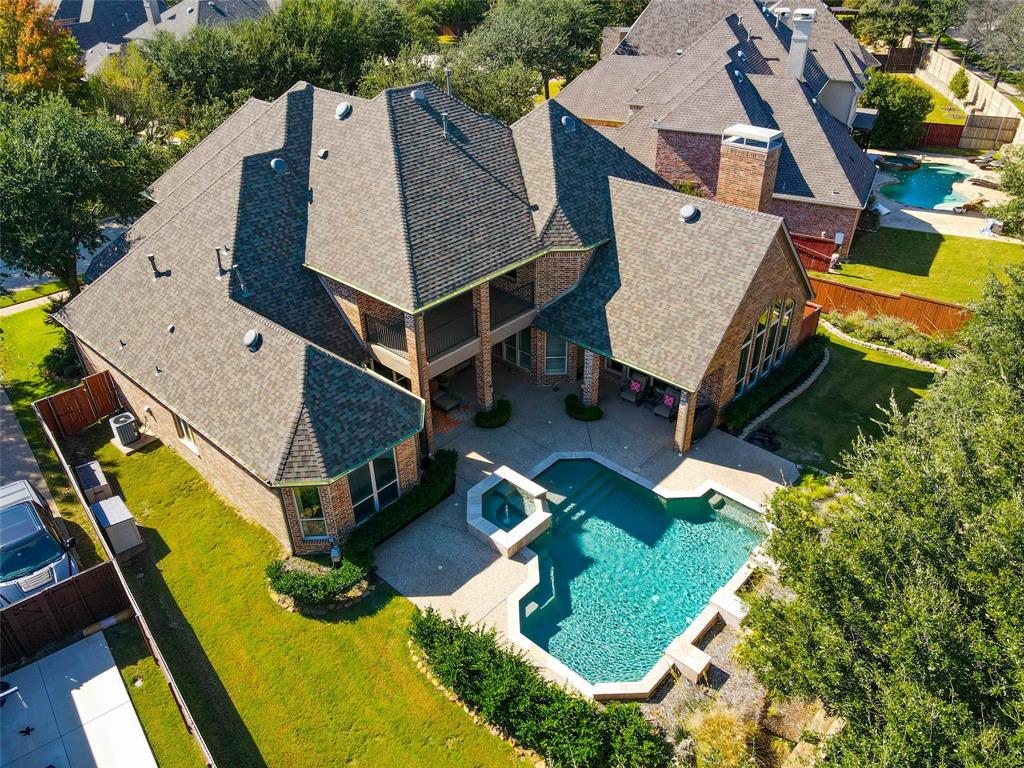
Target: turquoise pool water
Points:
(930, 186)
(623, 571)
(504, 506)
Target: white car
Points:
(32, 554)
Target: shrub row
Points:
(575, 408)
(314, 586)
(895, 332)
(504, 689)
(787, 376)
(496, 417)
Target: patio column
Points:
(482, 362)
(591, 377)
(419, 374)
(683, 436)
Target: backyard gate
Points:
(71, 411)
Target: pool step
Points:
(717, 502)
(592, 492)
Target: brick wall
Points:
(557, 272)
(813, 219)
(537, 375)
(746, 177)
(250, 496)
(692, 157)
(356, 305)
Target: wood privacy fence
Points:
(815, 252)
(65, 609)
(901, 59)
(809, 326)
(941, 135)
(988, 131)
(929, 315)
(71, 411)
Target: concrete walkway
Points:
(16, 459)
(13, 309)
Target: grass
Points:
(27, 294)
(268, 687)
(943, 111)
(935, 266)
(25, 338)
(823, 422)
(172, 745)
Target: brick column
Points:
(591, 377)
(482, 362)
(683, 436)
(419, 375)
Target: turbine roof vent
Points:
(252, 339)
(568, 123)
(418, 95)
(279, 166)
(689, 213)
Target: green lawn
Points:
(27, 294)
(24, 341)
(943, 110)
(823, 422)
(936, 266)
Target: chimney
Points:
(803, 20)
(748, 163)
(152, 11)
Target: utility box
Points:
(119, 526)
(93, 482)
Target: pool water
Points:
(504, 506)
(930, 186)
(623, 571)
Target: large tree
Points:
(902, 605)
(890, 21)
(35, 52)
(943, 15)
(552, 37)
(129, 86)
(902, 106)
(61, 172)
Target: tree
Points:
(450, 13)
(208, 62)
(61, 172)
(552, 37)
(1004, 49)
(35, 52)
(902, 106)
(130, 87)
(1011, 181)
(890, 21)
(906, 613)
(943, 15)
(959, 84)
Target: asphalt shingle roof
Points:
(661, 297)
(295, 410)
(182, 18)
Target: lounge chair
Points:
(669, 404)
(980, 182)
(445, 401)
(635, 389)
(971, 205)
(985, 159)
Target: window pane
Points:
(387, 494)
(364, 509)
(308, 502)
(359, 486)
(787, 318)
(384, 469)
(524, 340)
(773, 332)
(525, 360)
(313, 528)
(741, 372)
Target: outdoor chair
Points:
(444, 400)
(669, 404)
(988, 157)
(980, 182)
(971, 205)
(634, 390)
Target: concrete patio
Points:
(437, 562)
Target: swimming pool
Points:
(624, 571)
(930, 186)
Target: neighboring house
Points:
(186, 15)
(100, 26)
(413, 236)
(686, 70)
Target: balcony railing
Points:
(390, 335)
(507, 304)
(450, 334)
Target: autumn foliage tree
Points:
(36, 53)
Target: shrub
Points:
(790, 374)
(897, 333)
(581, 412)
(498, 416)
(721, 738)
(314, 585)
(959, 83)
(61, 363)
(509, 693)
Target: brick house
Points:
(684, 72)
(285, 317)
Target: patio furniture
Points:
(445, 401)
(971, 205)
(984, 159)
(669, 404)
(992, 227)
(634, 390)
(980, 182)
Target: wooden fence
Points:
(988, 131)
(901, 59)
(929, 315)
(941, 135)
(71, 411)
(63, 610)
(815, 252)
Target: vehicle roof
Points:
(18, 491)
(19, 522)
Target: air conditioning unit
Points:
(125, 429)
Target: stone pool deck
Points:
(437, 562)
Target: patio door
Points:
(516, 349)
(373, 486)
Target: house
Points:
(186, 15)
(100, 26)
(286, 315)
(687, 70)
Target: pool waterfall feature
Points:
(623, 577)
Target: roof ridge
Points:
(399, 184)
(702, 200)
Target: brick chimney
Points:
(748, 163)
(803, 20)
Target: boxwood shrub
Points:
(787, 376)
(314, 586)
(504, 689)
(496, 417)
(575, 408)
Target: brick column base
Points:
(683, 436)
(482, 362)
(591, 377)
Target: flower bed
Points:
(896, 333)
(496, 417)
(581, 412)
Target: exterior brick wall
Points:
(253, 498)
(591, 378)
(482, 362)
(416, 343)
(813, 219)
(537, 374)
(407, 456)
(557, 272)
(356, 305)
(746, 177)
(692, 157)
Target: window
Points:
(373, 486)
(516, 349)
(615, 367)
(311, 512)
(555, 357)
(741, 373)
(387, 373)
(185, 433)
(773, 334)
(760, 330)
(787, 321)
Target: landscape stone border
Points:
(786, 399)
(881, 348)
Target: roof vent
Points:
(171, 328)
(738, 75)
(679, 51)
(252, 339)
(159, 370)
(568, 123)
(418, 95)
(191, 10)
(122, 343)
(279, 166)
(689, 213)
(444, 122)
(322, 154)
(343, 110)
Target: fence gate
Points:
(71, 411)
(902, 59)
(941, 135)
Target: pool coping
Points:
(682, 654)
(509, 542)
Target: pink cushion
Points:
(668, 400)
(635, 385)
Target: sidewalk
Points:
(31, 303)
(16, 459)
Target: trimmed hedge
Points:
(794, 369)
(581, 412)
(314, 586)
(507, 691)
(498, 416)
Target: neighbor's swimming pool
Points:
(623, 571)
(930, 186)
